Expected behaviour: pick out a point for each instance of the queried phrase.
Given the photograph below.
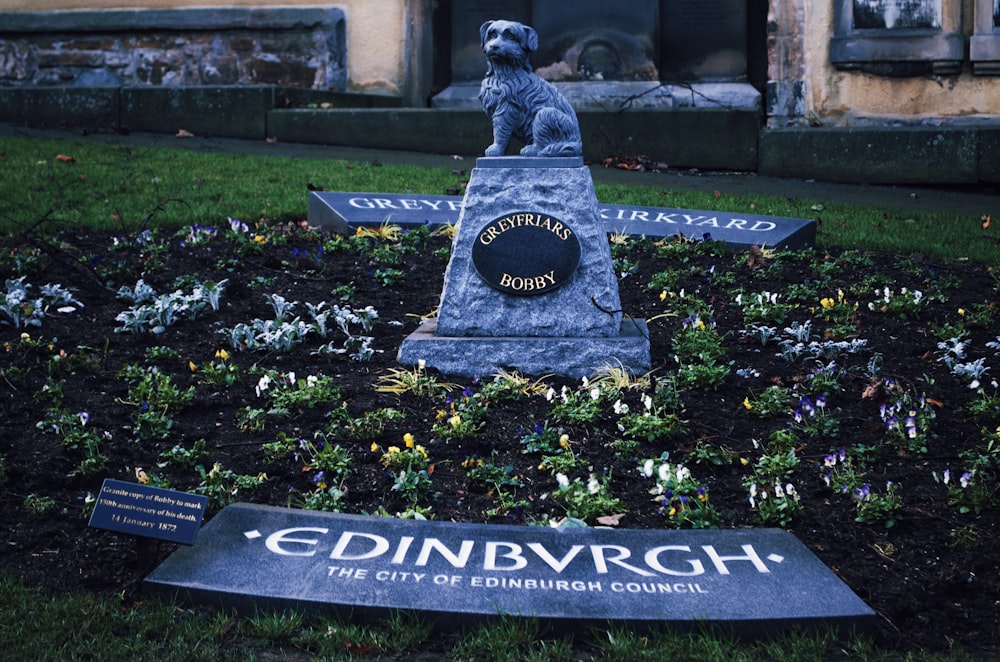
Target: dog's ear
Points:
(530, 38)
(483, 29)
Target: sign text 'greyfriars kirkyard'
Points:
(342, 211)
(293, 558)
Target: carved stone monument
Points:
(530, 285)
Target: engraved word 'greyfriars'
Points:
(518, 102)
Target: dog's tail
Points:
(556, 134)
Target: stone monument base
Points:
(471, 356)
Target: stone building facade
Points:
(847, 65)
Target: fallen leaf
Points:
(755, 258)
(936, 403)
(270, 140)
(611, 520)
(986, 221)
(65, 159)
(184, 134)
(872, 391)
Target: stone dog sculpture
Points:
(518, 102)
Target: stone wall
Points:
(297, 47)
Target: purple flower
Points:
(807, 405)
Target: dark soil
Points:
(932, 577)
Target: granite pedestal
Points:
(509, 298)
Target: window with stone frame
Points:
(898, 37)
(984, 45)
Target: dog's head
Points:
(508, 41)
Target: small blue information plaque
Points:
(151, 512)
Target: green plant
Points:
(511, 385)
(706, 376)
(543, 439)
(844, 472)
(840, 314)
(775, 504)
(494, 478)
(251, 419)
(331, 464)
(875, 508)
(586, 500)
(683, 500)
(582, 406)
(707, 453)
(773, 401)
(18, 308)
(985, 405)
(187, 457)
(462, 417)
(812, 418)
(417, 381)
(905, 303)
(978, 487)
(653, 423)
(763, 307)
(37, 505)
(907, 420)
(411, 468)
(76, 435)
(369, 425)
(286, 393)
(222, 486)
(388, 277)
(219, 372)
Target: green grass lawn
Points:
(50, 184)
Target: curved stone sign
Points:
(526, 253)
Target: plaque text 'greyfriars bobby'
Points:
(526, 253)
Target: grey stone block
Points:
(204, 111)
(588, 305)
(572, 357)
(88, 108)
(897, 155)
(752, 582)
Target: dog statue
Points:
(518, 102)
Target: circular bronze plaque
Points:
(526, 253)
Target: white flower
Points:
(592, 485)
(647, 468)
(562, 480)
(753, 495)
(595, 393)
(647, 402)
(311, 381)
(551, 393)
(664, 472)
(683, 473)
(263, 384)
(620, 407)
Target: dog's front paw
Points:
(495, 150)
